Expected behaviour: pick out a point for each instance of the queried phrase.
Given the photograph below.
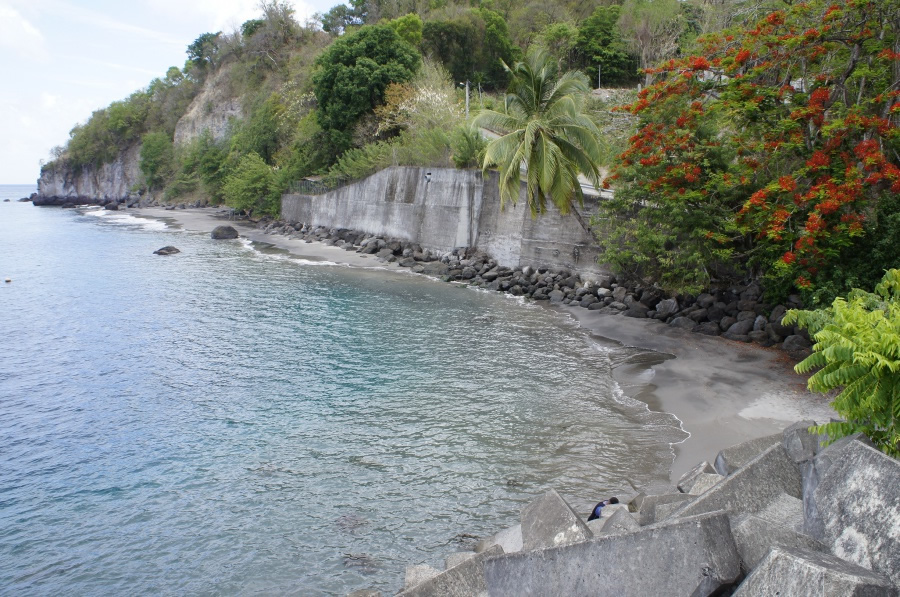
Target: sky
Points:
(62, 59)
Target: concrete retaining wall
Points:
(442, 209)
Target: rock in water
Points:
(168, 250)
(224, 233)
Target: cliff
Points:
(114, 181)
(212, 110)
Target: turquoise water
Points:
(232, 420)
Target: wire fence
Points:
(318, 187)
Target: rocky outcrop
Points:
(116, 181)
(748, 534)
(211, 111)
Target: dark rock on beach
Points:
(167, 250)
(224, 233)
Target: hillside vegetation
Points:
(764, 142)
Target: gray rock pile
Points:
(738, 313)
(780, 515)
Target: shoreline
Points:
(723, 392)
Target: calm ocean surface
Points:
(232, 420)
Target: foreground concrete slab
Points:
(694, 556)
(752, 487)
(649, 505)
(457, 558)
(549, 521)
(687, 480)
(463, 580)
(855, 507)
(703, 482)
(418, 574)
(800, 572)
(621, 521)
(785, 510)
(365, 593)
(733, 458)
(755, 536)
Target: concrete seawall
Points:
(442, 209)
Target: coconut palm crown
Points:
(545, 136)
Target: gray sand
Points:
(723, 392)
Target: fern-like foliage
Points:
(858, 350)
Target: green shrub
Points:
(157, 159)
(858, 350)
(467, 146)
(251, 186)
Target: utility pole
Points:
(599, 69)
(467, 99)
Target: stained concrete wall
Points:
(442, 208)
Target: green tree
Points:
(545, 136)
(354, 71)
(559, 39)
(858, 350)
(599, 42)
(409, 28)
(203, 51)
(157, 159)
(251, 187)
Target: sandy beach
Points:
(724, 392)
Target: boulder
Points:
(685, 323)
(557, 296)
(167, 250)
(801, 445)
(708, 328)
(695, 556)
(540, 295)
(588, 300)
(435, 268)
(637, 311)
(752, 487)
(365, 593)
(796, 343)
(549, 521)
(667, 307)
(687, 480)
(852, 504)
(619, 294)
(463, 580)
(733, 458)
(224, 233)
(741, 328)
(794, 571)
(111, 206)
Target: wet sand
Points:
(723, 392)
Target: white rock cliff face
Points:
(212, 110)
(110, 181)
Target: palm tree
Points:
(548, 139)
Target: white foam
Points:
(124, 219)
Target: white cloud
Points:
(19, 34)
(224, 15)
(48, 100)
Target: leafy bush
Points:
(251, 187)
(157, 159)
(467, 145)
(858, 350)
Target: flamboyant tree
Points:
(769, 153)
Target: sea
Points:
(236, 420)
